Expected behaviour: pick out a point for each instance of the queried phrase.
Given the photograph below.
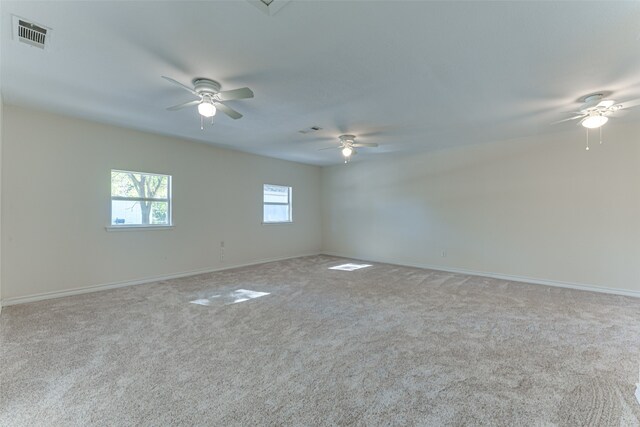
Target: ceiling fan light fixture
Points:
(206, 109)
(594, 121)
(347, 151)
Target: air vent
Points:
(311, 129)
(30, 33)
(269, 7)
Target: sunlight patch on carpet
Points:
(349, 267)
(232, 297)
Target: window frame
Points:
(289, 203)
(168, 200)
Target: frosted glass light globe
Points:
(595, 121)
(206, 109)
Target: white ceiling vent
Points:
(270, 7)
(30, 33)
(311, 129)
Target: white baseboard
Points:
(512, 278)
(114, 285)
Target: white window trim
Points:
(139, 227)
(289, 203)
(132, 227)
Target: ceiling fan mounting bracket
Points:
(347, 138)
(594, 96)
(206, 86)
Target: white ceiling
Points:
(411, 75)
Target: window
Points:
(140, 199)
(277, 204)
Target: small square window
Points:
(140, 199)
(276, 204)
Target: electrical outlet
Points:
(443, 254)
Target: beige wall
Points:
(55, 206)
(540, 208)
(1, 133)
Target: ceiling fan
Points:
(595, 111)
(210, 98)
(348, 146)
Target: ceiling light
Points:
(206, 109)
(594, 121)
(347, 151)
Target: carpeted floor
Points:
(385, 345)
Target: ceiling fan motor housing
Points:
(206, 86)
(347, 139)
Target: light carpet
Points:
(384, 345)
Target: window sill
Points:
(139, 227)
(277, 223)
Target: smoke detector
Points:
(30, 33)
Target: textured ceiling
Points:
(408, 75)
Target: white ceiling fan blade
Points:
(230, 95)
(569, 119)
(630, 104)
(186, 104)
(328, 148)
(606, 103)
(227, 110)
(175, 82)
(365, 144)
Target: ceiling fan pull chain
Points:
(587, 139)
(600, 134)
(201, 123)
